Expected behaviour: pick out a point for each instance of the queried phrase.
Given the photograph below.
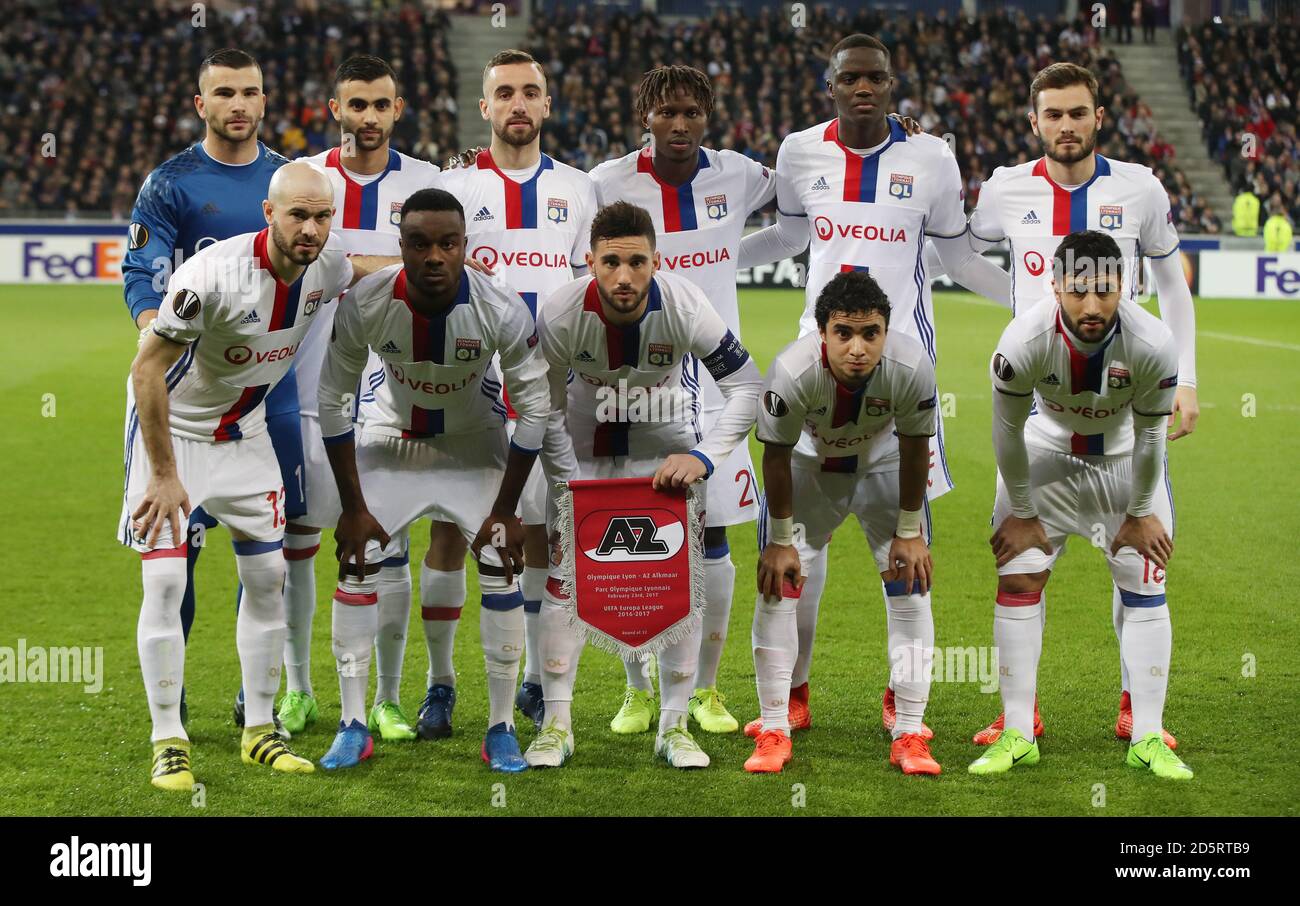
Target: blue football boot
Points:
(435, 713)
(501, 750)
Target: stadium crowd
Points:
(1241, 80)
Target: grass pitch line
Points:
(1253, 341)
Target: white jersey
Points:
(629, 394)
(851, 430)
(439, 374)
(243, 327)
(1023, 205)
(1085, 394)
(367, 215)
(872, 213)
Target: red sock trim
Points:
(162, 552)
(440, 613)
(301, 553)
(355, 600)
(555, 588)
(1019, 598)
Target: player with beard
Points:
(528, 218)
(1071, 188)
(209, 192)
(370, 181)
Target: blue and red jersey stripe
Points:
(428, 344)
(861, 173)
(249, 399)
(361, 203)
(1070, 207)
(521, 197)
(678, 201)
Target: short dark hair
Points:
(859, 40)
(621, 219)
(1061, 75)
(508, 56)
(664, 82)
(230, 58)
(363, 67)
(851, 293)
(1087, 250)
(431, 200)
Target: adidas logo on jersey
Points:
(391, 348)
(483, 214)
(1031, 218)
(584, 356)
(820, 184)
(1052, 379)
(251, 318)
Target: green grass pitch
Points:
(1232, 697)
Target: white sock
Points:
(394, 618)
(442, 595)
(677, 665)
(355, 621)
(561, 649)
(775, 637)
(299, 608)
(1117, 618)
(160, 642)
(1147, 647)
(533, 586)
(814, 564)
(911, 652)
(638, 675)
(501, 628)
(1018, 635)
(719, 583)
(260, 629)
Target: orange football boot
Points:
(889, 717)
(993, 731)
(800, 718)
(912, 753)
(772, 752)
(1124, 725)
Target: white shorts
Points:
(319, 489)
(237, 482)
(823, 500)
(1086, 496)
(453, 478)
(532, 502)
(732, 491)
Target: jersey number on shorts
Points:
(276, 499)
(746, 494)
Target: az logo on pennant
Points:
(900, 185)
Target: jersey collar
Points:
(1085, 367)
(263, 259)
(335, 159)
(591, 302)
(1102, 169)
(896, 134)
(645, 163)
(484, 161)
(399, 292)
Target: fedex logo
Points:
(869, 232)
(99, 260)
(1286, 279)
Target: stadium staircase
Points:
(1152, 71)
(472, 41)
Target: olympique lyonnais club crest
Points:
(874, 405)
(468, 350)
(1118, 378)
(900, 185)
(659, 354)
(632, 563)
(395, 213)
(313, 302)
(557, 210)
(1111, 216)
(716, 206)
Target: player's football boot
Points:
(171, 765)
(531, 704)
(297, 711)
(1010, 750)
(262, 745)
(990, 734)
(708, 708)
(911, 753)
(435, 713)
(800, 716)
(390, 722)
(239, 718)
(1154, 754)
(889, 717)
(551, 748)
(501, 750)
(1124, 724)
(772, 752)
(636, 713)
(351, 746)
(678, 747)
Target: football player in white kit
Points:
(528, 219)
(1072, 188)
(867, 195)
(370, 180)
(699, 199)
(234, 318)
(627, 331)
(1084, 382)
(863, 395)
(435, 446)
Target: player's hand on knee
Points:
(164, 502)
(910, 562)
(678, 471)
(504, 533)
(1187, 409)
(778, 564)
(355, 530)
(1145, 535)
(1015, 536)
